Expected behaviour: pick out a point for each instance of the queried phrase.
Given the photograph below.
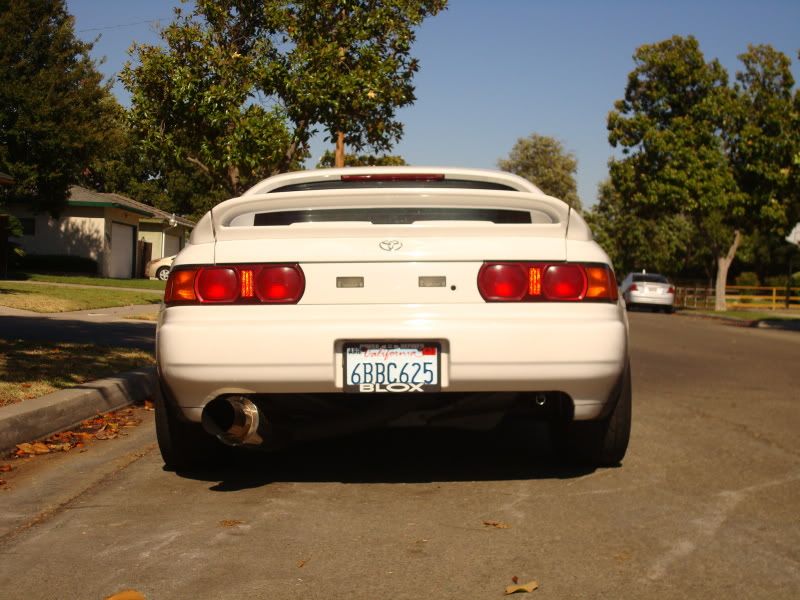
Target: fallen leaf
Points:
(40, 448)
(6, 468)
(60, 447)
(148, 405)
(126, 595)
(302, 562)
(230, 523)
(497, 524)
(526, 588)
(515, 579)
(24, 448)
(3, 482)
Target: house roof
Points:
(80, 196)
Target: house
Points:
(117, 232)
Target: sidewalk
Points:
(113, 313)
(38, 418)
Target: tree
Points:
(669, 128)
(658, 244)
(362, 160)
(543, 161)
(240, 86)
(52, 103)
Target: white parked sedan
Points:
(325, 302)
(159, 268)
(648, 289)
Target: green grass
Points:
(46, 298)
(33, 369)
(144, 284)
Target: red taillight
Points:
(543, 282)
(564, 282)
(633, 288)
(503, 281)
(671, 290)
(242, 284)
(280, 284)
(217, 285)
(395, 177)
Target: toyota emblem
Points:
(390, 245)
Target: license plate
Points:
(392, 367)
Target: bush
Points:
(56, 263)
(780, 280)
(747, 278)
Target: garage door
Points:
(123, 238)
(172, 243)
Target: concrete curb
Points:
(781, 324)
(38, 418)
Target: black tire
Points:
(600, 443)
(162, 273)
(184, 445)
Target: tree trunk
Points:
(233, 177)
(339, 156)
(723, 264)
(291, 151)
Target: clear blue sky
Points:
(493, 71)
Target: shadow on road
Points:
(400, 456)
(39, 328)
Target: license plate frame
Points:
(418, 354)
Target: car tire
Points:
(601, 443)
(184, 445)
(163, 273)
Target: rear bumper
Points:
(206, 351)
(654, 299)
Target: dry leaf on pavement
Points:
(497, 524)
(230, 523)
(520, 589)
(6, 468)
(126, 595)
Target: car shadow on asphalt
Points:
(401, 456)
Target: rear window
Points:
(398, 215)
(338, 184)
(650, 278)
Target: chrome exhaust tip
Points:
(233, 420)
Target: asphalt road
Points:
(706, 504)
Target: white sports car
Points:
(326, 302)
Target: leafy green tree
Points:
(693, 146)
(543, 161)
(657, 244)
(362, 160)
(240, 86)
(669, 128)
(52, 103)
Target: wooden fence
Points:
(740, 296)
